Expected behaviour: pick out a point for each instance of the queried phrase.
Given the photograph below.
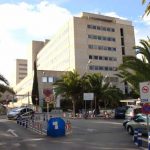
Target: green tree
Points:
(3, 84)
(35, 89)
(69, 85)
(147, 10)
(134, 69)
(103, 92)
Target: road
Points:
(87, 134)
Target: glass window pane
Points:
(50, 79)
(44, 79)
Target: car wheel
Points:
(130, 130)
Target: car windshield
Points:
(144, 118)
(16, 110)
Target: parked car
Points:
(127, 120)
(138, 123)
(132, 111)
(23, 112)
(120, 112)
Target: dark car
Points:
(23, 112)
(120, 112)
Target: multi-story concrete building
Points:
(101, 39)
(21, 69)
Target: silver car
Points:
(23, 112)
(138, 123)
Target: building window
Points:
(100, 67)
(91, 67)
(123, 50)
(121, 32)
(96, 67)
(90, 46)
(113, 30)
(96, 57)
(122, 41)
(106, 68)
(50, 79)
(90, 56)
(100, 57)
(44, 79)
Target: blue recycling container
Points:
(56, 127)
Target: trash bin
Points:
(56, 127)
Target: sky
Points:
(24, 21)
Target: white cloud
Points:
(114, 14)
(142, 28)
(30, 21)
(146, 19)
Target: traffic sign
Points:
(146, 108)
(47, 92)
(145, 91)
(47, 99)
(88, 96)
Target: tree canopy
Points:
(136, 69)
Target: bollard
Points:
(139, 138)
(20, 121)
(17, 120)
(148, 140)
(135, 136)
(26, 123)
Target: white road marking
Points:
(12, 132)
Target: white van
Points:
(132, 111)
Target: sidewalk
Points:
(144, 143)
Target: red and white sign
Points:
(47, 92)
(48, 99)
(145, 91)
(146, 108)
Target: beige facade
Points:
(24, 88)
(33, 50)
(21, 70)
(102, 40)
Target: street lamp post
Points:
(87, 65)
(86, 71)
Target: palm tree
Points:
(147, 10)
(102, 90)
(3, 84)
(135, 70)
(69, 85)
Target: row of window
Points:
(102, 28)
(22, 73)
(22, 64)
(21, 78)
(102, 58)
(100, 47)
(102, 38)
(104, 68)
(23, 69)
(122, 41)
(47, 79)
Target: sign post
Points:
(88, 96)
(145, 98)
(48, 93)
(145, 91)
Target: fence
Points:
(39, 122)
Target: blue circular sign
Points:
(56, 127)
